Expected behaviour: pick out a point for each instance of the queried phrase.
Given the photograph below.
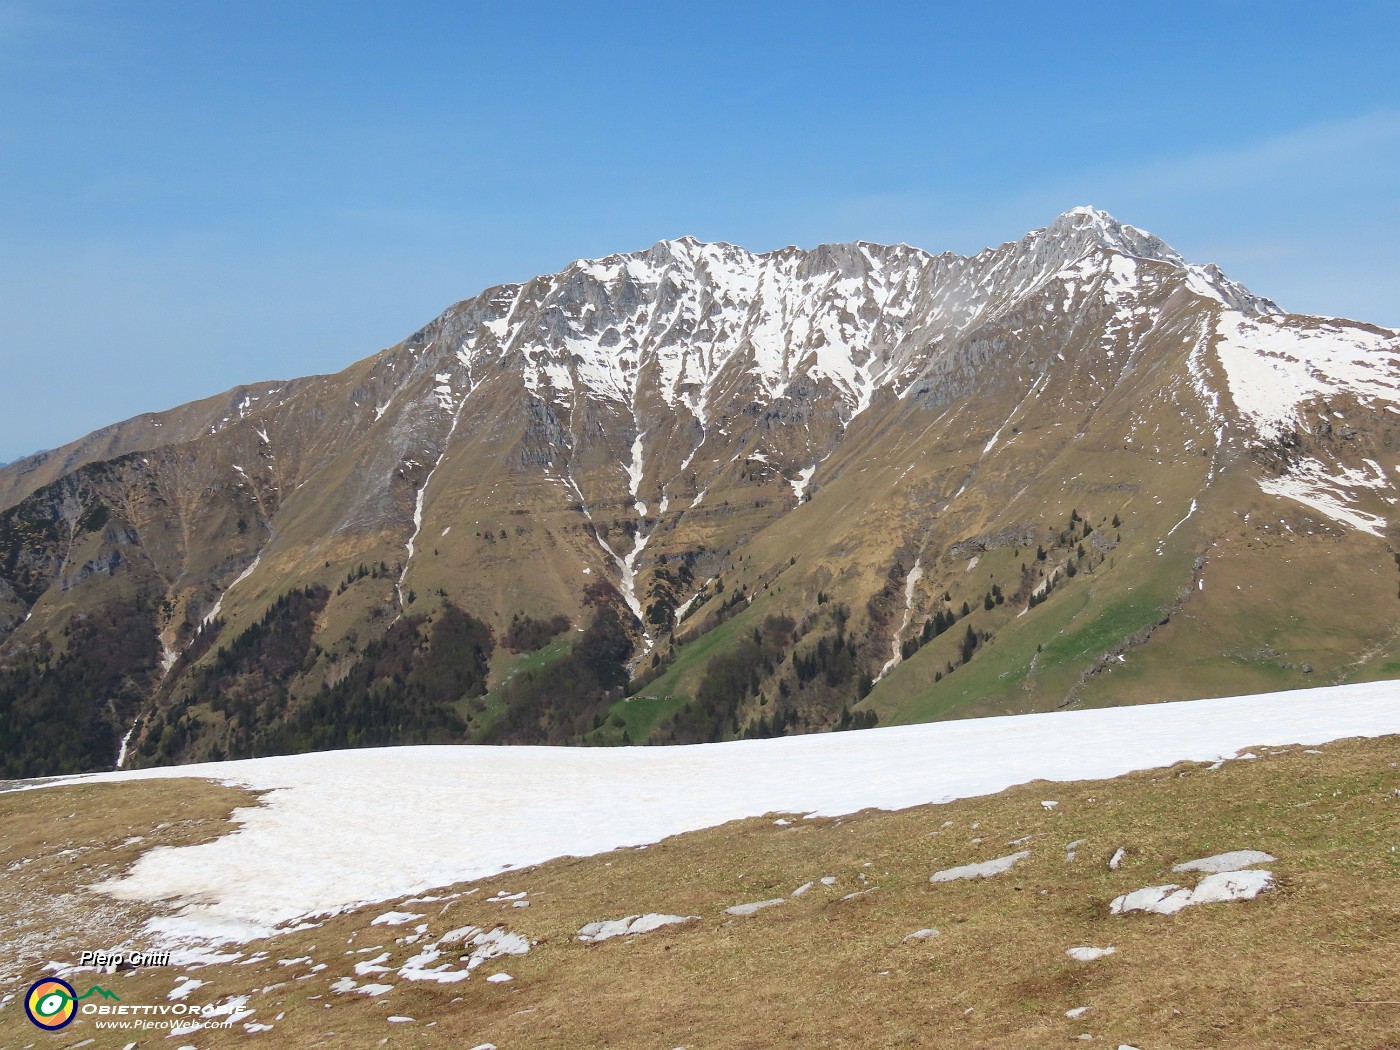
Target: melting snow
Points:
(218, 605)
(394, 918)
(1182, 522)
(1089, 954)
(910, 582)
(1274, 365)
(331, 835)
(1330, 491)
(752, 907)
(183, 989)
(799, 483)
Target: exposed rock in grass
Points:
(921, 935)
(629, 925)
(749, 909)
(983, 870)
(1218, 888)
(1235, 860)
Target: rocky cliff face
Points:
(789, 474)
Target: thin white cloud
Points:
(1334, 148)
(1304, 162)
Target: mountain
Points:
(694, 493)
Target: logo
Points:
(51, 1003)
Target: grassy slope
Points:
(1308, 964)
(1262, 594)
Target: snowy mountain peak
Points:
(1085, 229)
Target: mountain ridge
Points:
(1106, 232)
(670, 431)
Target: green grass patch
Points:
(516, 663)
(682, 678)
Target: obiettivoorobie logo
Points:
(52, 1004)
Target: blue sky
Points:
(198, 195)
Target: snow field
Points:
(339, 829)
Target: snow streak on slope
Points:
(626, 569)
(218, 605)
(628, 564)
(448, 400)
(910, 582)
(418, 497)
(332, 834)
(126, 740)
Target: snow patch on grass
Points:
(1090, 954)
(1235, 860)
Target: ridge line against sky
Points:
(192, 197)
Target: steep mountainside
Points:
(695, 493)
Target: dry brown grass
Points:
(1309, 964)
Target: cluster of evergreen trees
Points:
(403, 689)
(526, 634)
(732, 678)
(67, 715)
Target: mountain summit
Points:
(693, 492)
